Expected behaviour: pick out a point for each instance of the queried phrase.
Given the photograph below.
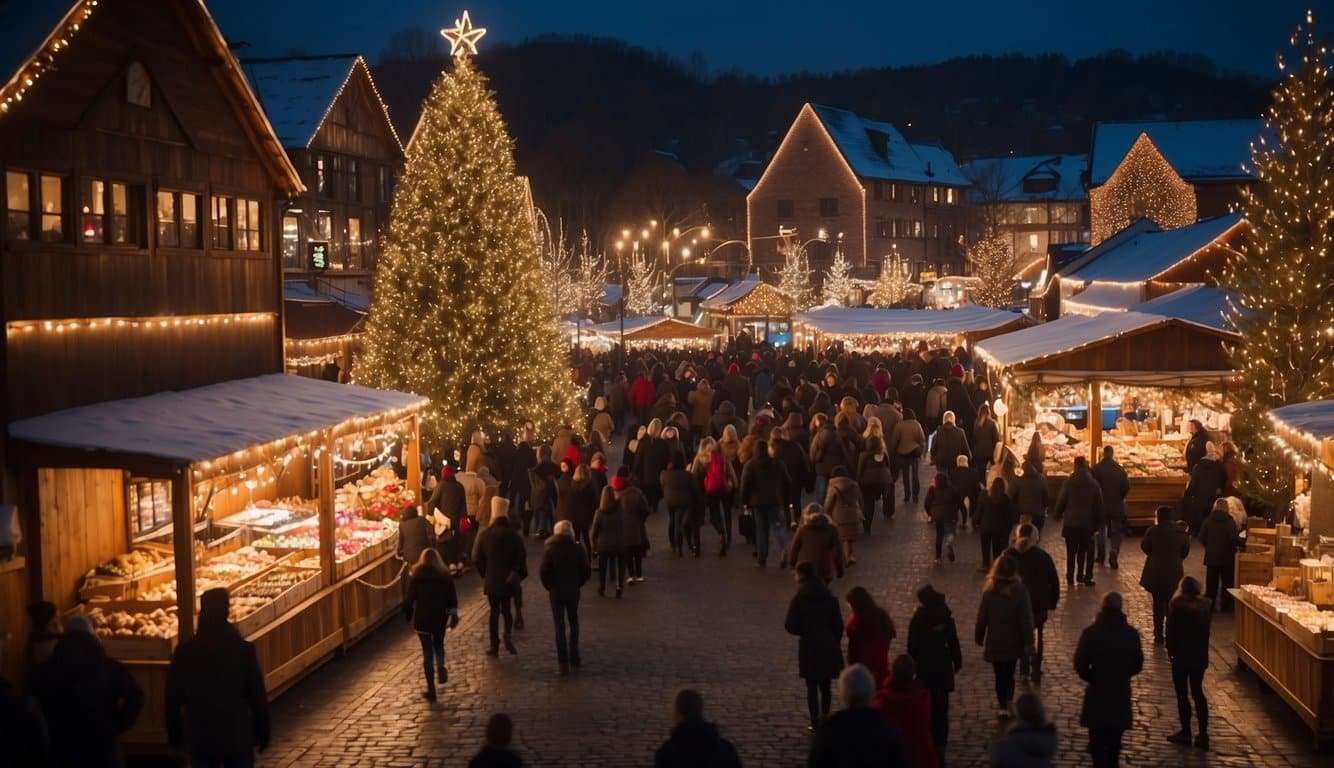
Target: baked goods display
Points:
(1140, 457)
(131, 564)
(276, 516)
(156, 623)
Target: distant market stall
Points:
(866, 328)
(754, 306)
(655, 330)
(1132, 380)
(284, 489)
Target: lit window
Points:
(319, 174)
(247, 225)
(291, 241)
(222, 223)
(168, 220)
(189, 220)
(53, 209)
(92, 224)
(18, 219)
(354, 245)
(120, 214)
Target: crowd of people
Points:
(787, 458)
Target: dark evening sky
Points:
(771, 37)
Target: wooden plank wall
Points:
(1168, 348)
(14, 620)
(83, 523)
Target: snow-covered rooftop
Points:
(861, 321)
(210, 422)
(1200, 304)
(889, 156)
(662, 328)
(1153, 251)
(1315, 418)
(1064, 335)
(1199, 150)
(298, 91)
(1104, 297)
(731, 293)
(1058, 176)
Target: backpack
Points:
(716, 482)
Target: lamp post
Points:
(620, 266)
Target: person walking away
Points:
(1037, 571)
(583, 502)
(694, 742)
(906, 444)
(496, 751)
(432, 605)
(523, 459)
(1004, 627)
(995, 520)
(1220, 538)
(870, 631)
(564, 571)
(710, 460)
(857, 735)
(700, 402)
(1080, 505)
(609, 540)
(448, 509)
(816, 542)
(943, 506)
(986, 436)
(1107, 656)
(814, 617)
(784, 445)
(602, 422)
(764, 488)
(968, 483)
(948, 443)
(28, 744)
(1206, 484)
(87, 699)
(1030, 495)
(933, 643)
(541, 493)
(936, 398)
(1165, 546)
(1115, 486)
(636, 527)
(683, 496)
(502, 562)
(843, 504)
(415, 535)
(906, 705)
(216, 707)
(1029, 742)
(827, 451)
(875, 476)
(1188, 620)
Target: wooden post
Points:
(324, 476)
(1095, 420)
(414, 459)
(183, 543)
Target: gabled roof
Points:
(1070, 334)
(1199, 150)
(654, 328)
(298, 93)
(1063, 173)
(1152, 251)
(1199, 304)
(34, 32)
(876, 150)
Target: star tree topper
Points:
(463, 37)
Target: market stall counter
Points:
(284, 490)
(1288, 643)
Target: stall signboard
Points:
(317, 255)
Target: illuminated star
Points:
(462, 37)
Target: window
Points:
(354, 247)
(1034, 215)
(247, 225)
(324, 226)
(353, 180)
(168, 220)
(53, 209)
(895, 192)
(189, 220)
(883, 228)
(320, 181)
(222, 223)
(952, 196)
(914, 194)
(18, 208)
(935, 231)
(877, 191)
(786, 209)
(291, 241)
(93, 218)
(386, 184)
(916, 228)
(336, 175)
(935, 195)
(149, 503)
(829, 206)
(104, 212)
(1033, 242)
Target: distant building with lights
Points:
(1172, 173)
(330, 118)
(840, 173)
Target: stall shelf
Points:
(1296, 662)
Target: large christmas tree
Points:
(993, 264)
(1283, 279)
(459, 314)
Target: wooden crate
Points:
(1254, 568)
(1291, 556)
(1256, 522)
(1316, 570)
(1262, 535)
(1321, 593)
(133, 647)
(1284, 577)
(1253, 547)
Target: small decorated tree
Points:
(794, 280)
(644, 284)
(893, 284)
(994, 266)
(838, 283)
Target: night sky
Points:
(770, 37)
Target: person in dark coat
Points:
(906, 705)
(764, 488)
(814, 616)
(986, 436)
(1030, 742)
(1166, 546)
(948, 443)
(943, 506)
(827, 451)
(86, 698)
(523, 459)
(564, 571)
(432, 605)
(1038, 573)
(816, 542)
(958, 401)
(1220, 538)
(27, 745)
(1080, 506)
(632, 500)
(496, 752)
(502, 562)
(1206, 484)
(1115, 486)
(1188, 620)
(450, 502)
(786, 448)
(875, 476)
(857, 735)
(933, 643)
(683, 496)
(1107, 656)
(416, 534)
(1030, 494)
(1004, 627)
(582, 503)
(968, 483)
(995, 519)
(215, 678)
(651, 459)
(610, 539)
(1197, 445)
(694, 741)
(913, 396)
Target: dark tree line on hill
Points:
(588, 114)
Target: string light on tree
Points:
(794, 279)
(894, 283)
(1144, 185)
(993, 264)
(838, 282)
(645, 286)
(1282, 277)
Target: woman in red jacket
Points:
(907, 705)
(870, 630)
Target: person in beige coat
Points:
(906, 444)
(701, 408)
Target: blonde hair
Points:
(705, 453)
(729, 435)
(947, 417)
(655, 428)
(608, 498)
(581, 473)
(873, 428)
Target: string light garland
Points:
(298, 362)
(794, 279)
(323, 341)
(1144, 185)
(18, 327)
(838, 283)
(45, 58)
(762, 300)
(643, 286)
(359, 63)
(992, 259)
(893, 284)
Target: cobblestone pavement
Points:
(716, 624)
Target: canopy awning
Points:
(909, 323)
(751, 297)
(207, 423)
(1307, 430)
(1203, 304)
(654, 328)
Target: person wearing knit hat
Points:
(956, 371)
(502, 562)
(933, 642)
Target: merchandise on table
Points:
(352, 536)
(135, 563)
(276, 516)
(1141, 457)
(235, 565)
(378, 495)
(157, 623)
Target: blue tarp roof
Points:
(1151, 252)
(1197, 149)
(901, 161)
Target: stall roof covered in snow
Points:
(655, 327)
(1199, 150)
(298, 91)
(732, 293)
(1065, 335)
(210, 422)
(860, 321)
(1104, 297)
(1314, 418)
(1023, 178)
(1152, 251)
(1200, 304)
(877, 150)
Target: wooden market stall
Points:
(283, 489)
(751, 305)
(656, 330)
(867, 328)
(1155, 373)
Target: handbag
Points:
(747, 522)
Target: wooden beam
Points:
(413, 460)
(324, 478)
(183, 542)
(1095, 420)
